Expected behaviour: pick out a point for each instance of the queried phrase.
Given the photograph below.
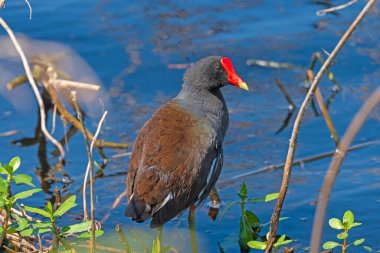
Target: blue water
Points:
(129, 46)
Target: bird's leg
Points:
(191, 220)
(157, 243)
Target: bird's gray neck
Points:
(206, 104)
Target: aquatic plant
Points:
(346, 224)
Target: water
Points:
(129, 46)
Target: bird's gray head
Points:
(211, 73)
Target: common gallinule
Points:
(178, 154)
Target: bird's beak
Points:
(233, 78)
(243, 85)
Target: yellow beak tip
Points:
(243, 86)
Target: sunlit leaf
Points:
(22, 179)
(31, 231)
(3, 186)
(88, 234)
(257, 245)
(355, 224)
(41, 225)
(37, 210)
(77, 228)
(330, 245)
(266, 198)
(367, 248)
(49, 208)
(348, 218)
(342, 235)
(15, 163)
(359, 241)
(26, 194)
(66, 206)
(335, 223)
(8, 168)
(3, 170)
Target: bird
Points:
(177, 156)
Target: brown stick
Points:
(324, 110)
(335, 164)
(297, 124)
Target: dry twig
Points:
(336, 8)
(335, 164)
(34, 87)
(293, 140)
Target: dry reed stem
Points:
(89, 170)
(34, 87)
(297, 124)
(66, 84)
(335, 164)
(335, 8)
(235, 179)
(30, 9)
(324, 110)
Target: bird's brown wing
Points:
(169, 163)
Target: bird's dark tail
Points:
(136, 209)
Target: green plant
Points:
(28, 227)
(250, 224)
(7, 201)
(261, 245)
(346, 224)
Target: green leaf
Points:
(367, 248)
(66, 206)
(342, 235)
(281, 239)
(266, 198)
(3, 170)
(257, 245)
(37, 210)
(22, 222)
(49, 208)
(31, 231)
(26, 194)
(355, 224)
(243, 193)
(77, 228)
(15, 163)
(335, 223)
(359, 241)
(8, 168)
(348, 218)
(3, 186)
(22, 179)
(88, 234)
(41, 225)
(245, 233)
(330, 245)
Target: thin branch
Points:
(335, 8)
(30, 9)
(34, 87)
(67, 84)
(89, 170)
(335, 164)
(293, 140)
(237, 178)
